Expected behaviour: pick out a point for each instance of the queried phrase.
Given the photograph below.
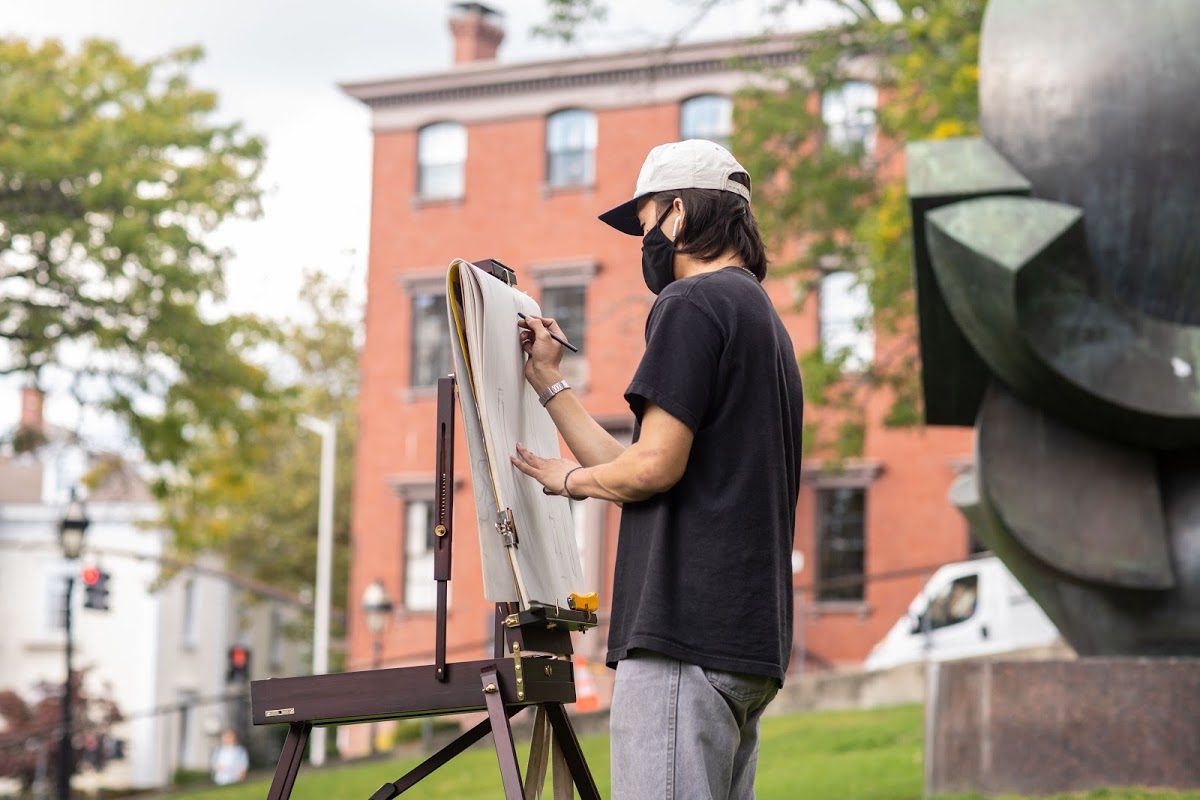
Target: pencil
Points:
(557, 338)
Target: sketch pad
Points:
(499, 409)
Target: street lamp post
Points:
(377, 608)
(71, 531)
(327, 430)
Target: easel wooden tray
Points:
(406, 691)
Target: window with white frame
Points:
(441, 161)
(275, 642)
(420, 592)
(848, 112)
(431, 358)
(564, 299)
(845, 316)
(708, 116)
(55, 619)
(580, 511)
(565, 305)
(571, 148)
(187, 700)
(188, 627)
(841, 543)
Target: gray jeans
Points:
(682, 732)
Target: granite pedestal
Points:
(1044, 727)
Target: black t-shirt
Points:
(704, 570)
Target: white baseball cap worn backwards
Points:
(690, 164)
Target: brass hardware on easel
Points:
(490, 688)
(512, 620)
(440, 530)
(549, 670)
(517, 671)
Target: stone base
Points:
(1044, 727)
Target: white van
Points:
(970, 608)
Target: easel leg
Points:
(441, 757)
(564, 736)
(539, 755)
(506, 749)
(289, 761)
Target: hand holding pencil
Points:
(553, 335)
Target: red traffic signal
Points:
(95, 588)
(238, 666)
(237, 657)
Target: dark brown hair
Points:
(716, 221)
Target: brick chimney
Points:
(31, 409)
(477, 33)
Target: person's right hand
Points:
(543, 353)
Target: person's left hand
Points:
(549, 472)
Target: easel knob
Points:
(583, 602)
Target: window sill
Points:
(415, 394)
(840, 608)
(45, 645)
(420, 613)
(418, 202)
(549, 190)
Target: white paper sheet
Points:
(499, 409)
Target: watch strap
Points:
(552, 390)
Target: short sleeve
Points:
(678, 372)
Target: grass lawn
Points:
(849, 755)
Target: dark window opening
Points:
(841, 543)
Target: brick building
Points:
(514, 161)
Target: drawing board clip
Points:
(498, 270)
(506, 526)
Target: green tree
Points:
(833, 205)
(253, 497)
(112, 175)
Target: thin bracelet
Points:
(567, 491)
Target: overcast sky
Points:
(276, 66)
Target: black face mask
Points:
(658, 257)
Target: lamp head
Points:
(377, 606)
(73, 527)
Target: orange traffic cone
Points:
(586, 697)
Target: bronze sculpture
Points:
(1058, 284)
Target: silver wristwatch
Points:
(552, 390)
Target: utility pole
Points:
(327, 430)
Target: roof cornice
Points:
(488, 79)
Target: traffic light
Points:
(95, 585)
(239, 664)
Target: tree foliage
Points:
(253, 497)
(825, 204)
(112, 175)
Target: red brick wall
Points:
(506, 213)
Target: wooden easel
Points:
(511, 680)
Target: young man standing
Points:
(701, 627)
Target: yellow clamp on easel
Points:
(583, 602)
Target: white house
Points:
(161, 650)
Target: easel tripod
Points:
(502, 685)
